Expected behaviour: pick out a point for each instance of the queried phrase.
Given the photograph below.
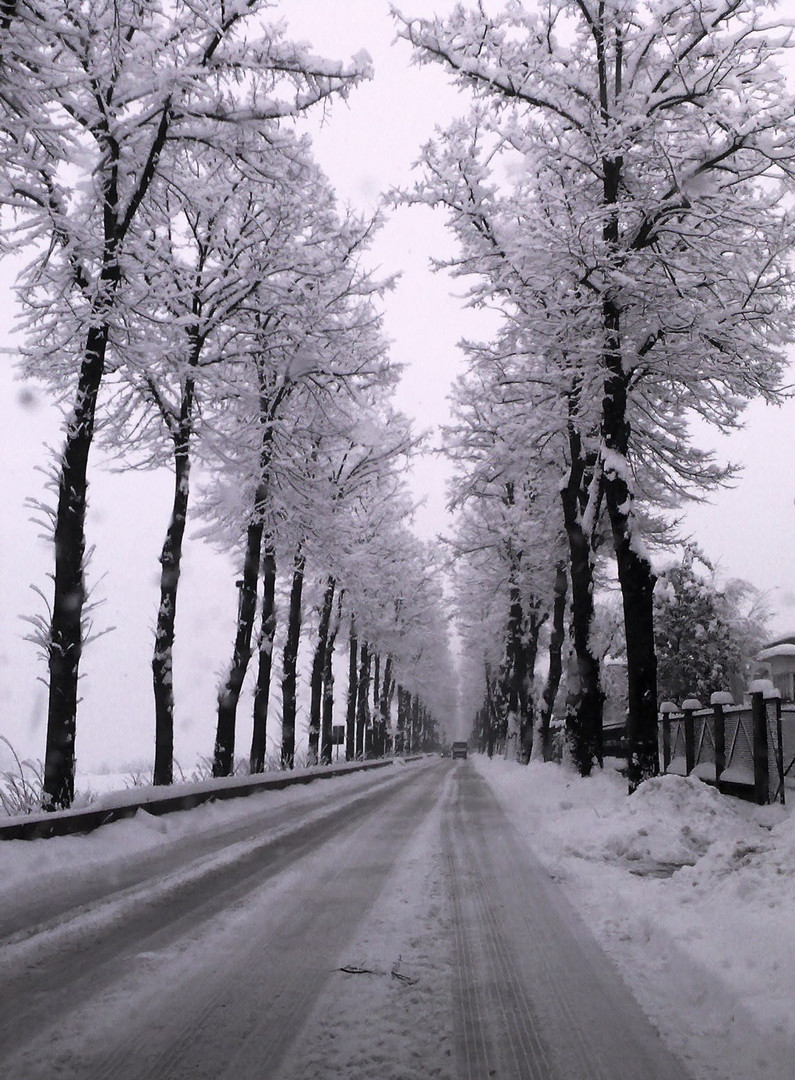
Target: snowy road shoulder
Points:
(691, 893)
(32, 870)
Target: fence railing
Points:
(746, 750)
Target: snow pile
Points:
(691, 893)
(761, 863)
(673, 821)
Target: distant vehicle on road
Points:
(460, 749)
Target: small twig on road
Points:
(405, 978)
(399, 974)
(356, 969)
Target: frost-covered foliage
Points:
(706, 634)
(620, 190)
(96, 101)
(20, 786)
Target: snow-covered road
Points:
(222, 952)
(537, 997)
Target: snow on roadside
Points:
(690, 892)
(27, 862)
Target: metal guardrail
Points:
(180, 797)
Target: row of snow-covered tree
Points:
(193, 293)
(620, 193)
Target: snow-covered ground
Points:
(41, 862)
(690, 892)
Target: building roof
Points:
(781, 641)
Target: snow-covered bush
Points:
(20, 787)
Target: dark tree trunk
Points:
(637, 590)
(557, 635)
(400, 729)
(262, 690)
(65, 645)
(585, 699)
(318, 666)
(350, 719)
(376, 666)
(515, 684)
(170, 565)
(362, 689)
(491, 713)
(66, 623)
(530, 652)
(229, 695)
(385, 699)
(271, 400)
(328, 688)
(375, 722)
(495, 695)
(415, 725)
(290, 663)
(634, 569)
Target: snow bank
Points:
(56, 859)
(690, 892)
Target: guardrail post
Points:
(759, 739)
(666, 709)
(688, 708)
(718, 701)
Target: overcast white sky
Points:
(365, 146)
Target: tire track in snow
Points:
(60, 894)
(498, 1031)
(149, 958)
(580, 1021)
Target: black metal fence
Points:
(746, 750)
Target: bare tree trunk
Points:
(318, 667)
(515, 666)
(262, 689)
(328, 686)
(350, 724)
(585, 699)
(170, 565)
(557, 635)
(229, 694)
(533, 626)
(362, 688)
(635, 574)
(375, 713)
(496, 724)
(400, 730)
(65, 645)
(415, 724)
(387, 689)
(290, 663)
